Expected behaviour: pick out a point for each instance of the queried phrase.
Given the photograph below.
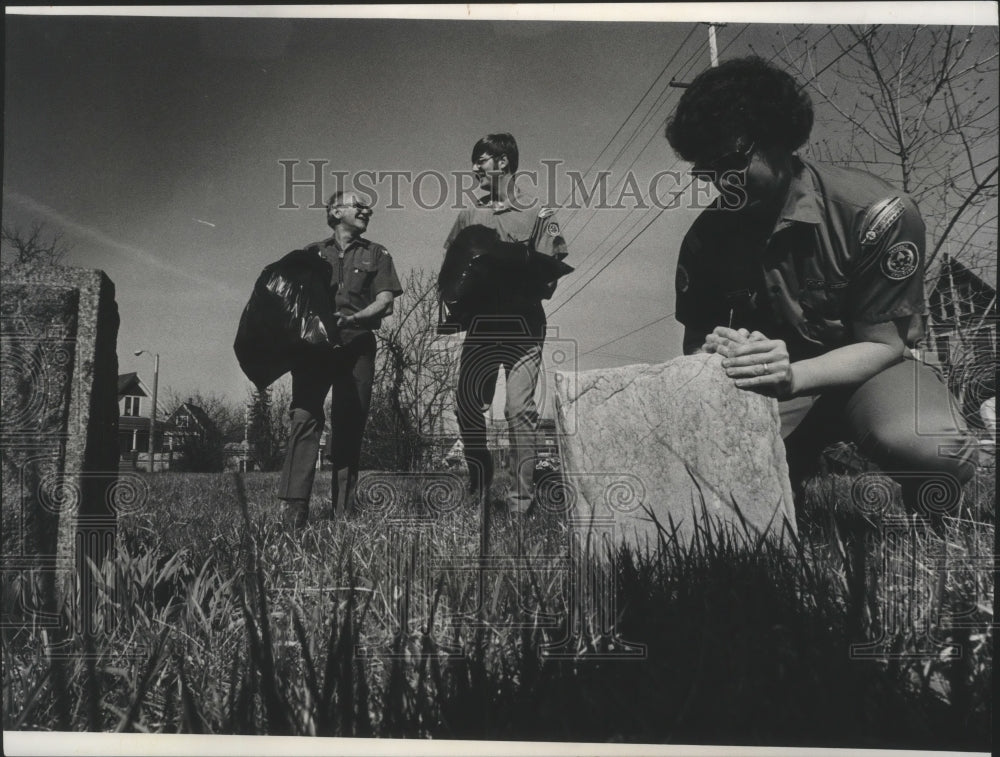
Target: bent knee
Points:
(900, 446)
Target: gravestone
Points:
(675, 443)
(58, 425)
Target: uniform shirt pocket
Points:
(360, 277)
(823, 299)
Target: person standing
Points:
(510, 339)
(362, 285)
(808, 279)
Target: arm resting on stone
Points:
(879, 346)
(760, 364)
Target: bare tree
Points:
(918, 106)
(267, 425)
(227, 416)
(204, 448)
(32, 246)
(414, 381)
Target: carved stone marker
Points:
(59, 423)
(678, 439)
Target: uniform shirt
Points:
(847, 247)
(519, 220)
(360, 272)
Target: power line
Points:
(636, 107)
(657, 105)
(634, 161)
(612, 260)
(650, 223)
(633, 331)
(661, 100)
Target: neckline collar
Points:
(802, 202)
(353, 243)
(501, 206)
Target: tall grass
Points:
(217, 620)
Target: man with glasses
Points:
(512, 338)
(362, 286)
(808, 280)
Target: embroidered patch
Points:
(900, 261)
(682, 282)
(879, 218)
(552, 229)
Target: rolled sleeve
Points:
(549, 239)
(888, 278)
(386, 279)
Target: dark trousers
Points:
(483, 355)
(350, 372)
(904, 419)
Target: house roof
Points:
(200, 416)
(127, 381)
(960, 293)
(962, 274)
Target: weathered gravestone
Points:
(58, 426)
(678, 439)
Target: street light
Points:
(152, 414)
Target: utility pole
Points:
(152, 414)
(713, 47)
(713, 52)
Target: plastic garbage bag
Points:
(289, 315)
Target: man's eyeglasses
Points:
(483, 159)
(736, 161)
(358, 206)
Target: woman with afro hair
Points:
(807, 279)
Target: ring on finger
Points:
(765, 368)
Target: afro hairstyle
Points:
(743, 97)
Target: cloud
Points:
(138, 253)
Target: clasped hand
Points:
(752, 360)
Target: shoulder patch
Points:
(682, 281)
(879, 218)
(900, 261)
(552, 229)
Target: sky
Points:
(161, 147)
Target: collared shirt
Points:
(360, 272)
(519, 219)
(847, 248)
(516, 220)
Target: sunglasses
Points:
(736, 161)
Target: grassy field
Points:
(215, 619)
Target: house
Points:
(135, 405)
(188, 421)
(962, 334)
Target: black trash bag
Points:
(480, 273)
(289, 315)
